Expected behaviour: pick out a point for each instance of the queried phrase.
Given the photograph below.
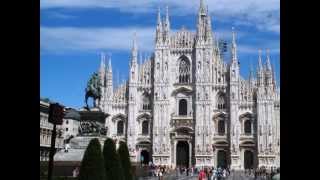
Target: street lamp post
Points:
(56, 113)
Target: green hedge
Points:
(92, 165)
(112, 162)
(125, 161)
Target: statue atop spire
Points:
(202, 9)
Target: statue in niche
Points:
(198, 149)
(208, 149)
(163, 148)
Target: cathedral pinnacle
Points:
(103, 60)
(260, 67)
(268, 64)
(167, 15)
(134, 51)
(234, 46)
(159, 17)
(202, 6)
(109, 65)
(135, 46)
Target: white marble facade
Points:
(185, 92)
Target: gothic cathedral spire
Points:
(134, 59)
(202, 23)
(134, 51)
(268, 64)
(159, 29)
(260, 70)
(167, 21)
(234, 47)
(260, 67)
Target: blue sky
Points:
(73, 33)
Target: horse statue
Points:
(93, 90)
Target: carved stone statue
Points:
(93, 90)
(91, 128)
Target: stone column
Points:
(175, 153)
(190, 153)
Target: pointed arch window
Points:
(146, 103)
(221, 102)
(184, 70)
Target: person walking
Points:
(214, 174)
(202, 175)
(141, 160)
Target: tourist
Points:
(224, 173)
(202, 175)
(75, 172)
(160, 174)
(66, 147)
(191, 171)
(141, 160)
(214, 174)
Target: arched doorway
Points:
(144, 157)
(182, 153)
(248, 159)
(222, 159)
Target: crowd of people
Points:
(211, 173)
(222, 173)
(263, 172)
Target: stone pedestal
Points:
(92, 121)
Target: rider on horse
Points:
(93, 89)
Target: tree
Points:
(92, 166)
(112, 162)
(125, 161)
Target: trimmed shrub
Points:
(92, 165)
(112, 162)
(125, 161)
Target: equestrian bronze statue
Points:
(93, 90)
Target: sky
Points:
(73, 34)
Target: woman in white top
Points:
(214, 174)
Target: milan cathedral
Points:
(184, 106)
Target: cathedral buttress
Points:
(132, 124)
(234, 78)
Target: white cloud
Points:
(264, 14)
(60, 15)
(64, 39)
(69, 39)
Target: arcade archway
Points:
(145, 157)
(222, 159)
(182, 154)
(248, 159)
